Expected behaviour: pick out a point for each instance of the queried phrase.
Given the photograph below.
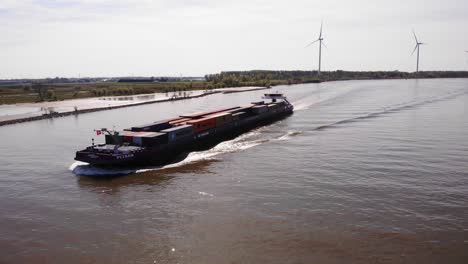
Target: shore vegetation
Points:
(27, 91)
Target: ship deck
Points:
(110, 147)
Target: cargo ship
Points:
(161, 142)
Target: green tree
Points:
(41, 90)
(51, 95)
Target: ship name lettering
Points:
(125, 156)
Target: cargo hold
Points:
(178, 132)
(153, 127)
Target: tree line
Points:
(267, 78)
(46, 91)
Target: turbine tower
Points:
(320, 40)
(466, 52)
(417, 48)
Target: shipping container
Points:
(172, 119)
(112, 140)
(136, 138)
(203, 124)
(194, 115)
(123, 137)
(222, 118)
(178, 132)
(153, 127)
(146, 127)
(179, 121)
(201, 114)
(147, 139)
(241, 109)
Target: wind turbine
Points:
(320, 40)
(417, 48)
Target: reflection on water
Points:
(151, 176)
(148, 97)
(129, 98)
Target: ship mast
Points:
(113, 134)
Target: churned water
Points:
(362, 172)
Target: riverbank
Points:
(59, 89)
(82, 109)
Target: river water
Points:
(362, 172)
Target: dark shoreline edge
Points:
(91, 110)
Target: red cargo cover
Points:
(203, 124)
(200, 114)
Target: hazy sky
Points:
(46, 38)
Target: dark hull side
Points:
(173, 152)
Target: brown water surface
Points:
(363, 172)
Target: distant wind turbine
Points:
(320, 40)
(417, 48)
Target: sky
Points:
(110, 38)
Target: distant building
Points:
(132, 80)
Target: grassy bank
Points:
(64, 89)
(26, 93)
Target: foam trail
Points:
(395, 108)
(289, 135)
(206, 194)
(301, 106)
(238, 144)
(84, 169)
(319, 96)
(304, 104)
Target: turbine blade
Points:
(415, 47)
(323, 43)
(321, 25)
(311, 43)
(415, 38)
